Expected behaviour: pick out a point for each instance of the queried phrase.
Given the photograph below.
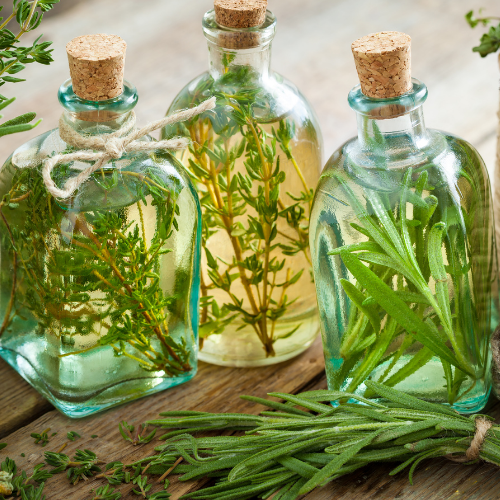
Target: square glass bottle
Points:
(403, 245)
(99, 290)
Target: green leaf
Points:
(12, 79)
(14, 129)
(408, 401)
(332, 467)
(358, 298)
(396, 308)
(438, 271)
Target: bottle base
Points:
(241, 348)
(75, 405)
(428, 384)
(215, 359)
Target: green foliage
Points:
(72, 435)
(27, 15)
(84, 464)
(101, 273)
(490, 41)
(42, 438)
(247, 205)
(141, 436)
(290, 452)
(410, 280)
(22, 484)
(106, 493)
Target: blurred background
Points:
(166, 49)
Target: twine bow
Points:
(112, 146)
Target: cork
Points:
(240, 13)
(96, 65)
(383, 64)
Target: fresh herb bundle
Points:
(13, 57)
(417, 272)
(239, 164)
(288, 450)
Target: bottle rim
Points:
(263, 32)
(389, 107)
(122, 103)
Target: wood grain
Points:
(20, 402)
(213, 389)
(166, 49)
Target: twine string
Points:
(103, 148)
(483, 425)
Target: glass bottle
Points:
(403, 249)
(255, 161)
(98, 292)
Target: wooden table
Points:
(165, 50)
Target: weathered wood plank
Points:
(20, 402)
(213, 389)
(165, 50)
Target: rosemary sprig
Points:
(403, 291)
(306, 442)
(289, 455)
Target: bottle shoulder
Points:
(272, 99)
(441, 148)
(121, 182)
(453, 167)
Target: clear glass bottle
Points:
(404, 259)
(99, 292)
(255, 160)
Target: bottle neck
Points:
(407, 131)
(392, 127)
(96, 117)
(252, 64)
(239, 57)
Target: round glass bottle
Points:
(255, 160)
(98, 292)
(404, 258)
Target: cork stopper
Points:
(96, 64)
(240, 13)
(383, 64)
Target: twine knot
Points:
(101, 149)
(483, 425)
(114, 147)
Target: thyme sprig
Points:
(247, 205)
(140, 437)
(41, 438)
(107, 256)
(27, 16)
(83, 465)
(72, 435)
(106, 493)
